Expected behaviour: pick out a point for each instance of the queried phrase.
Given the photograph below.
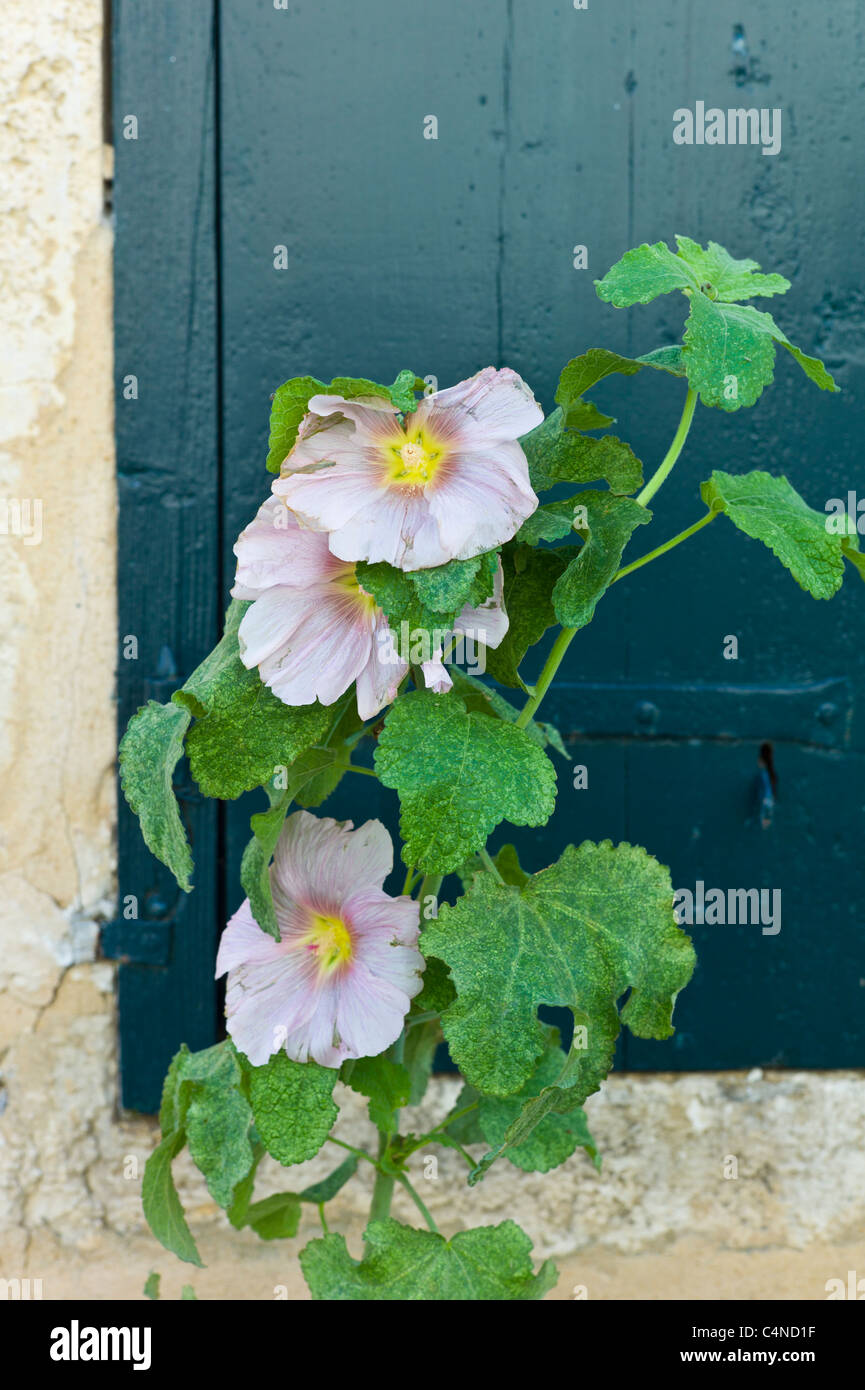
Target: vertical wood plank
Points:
(168, 482)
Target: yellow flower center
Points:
(414, 463)
(329, 939)
(348, 583)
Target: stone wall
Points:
(69, 1163)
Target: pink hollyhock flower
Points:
(446, 482)
(311, 629)
(340, 980)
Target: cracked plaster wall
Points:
(69, 1164)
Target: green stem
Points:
(358, 1153)
(668, 545)
(674, 450)
(551, 666)
(419, 1202)
(382, 1191)
(486, 860)
(430, 886)
(365, 771)
(457, 1115)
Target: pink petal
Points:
(490, 622)
(489, 408)
(483, 501)
(320, 862)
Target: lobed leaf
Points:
(611, 522)
(489, 1263)
(579, 934)
(769, 510)
(458, 775)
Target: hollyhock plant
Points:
(339, 981)
(312, 630)
(380, 543)
(446, 481)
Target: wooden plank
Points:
(168, 480)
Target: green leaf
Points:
(291, 403)
(558, 454)
(475, 695)
(729, 348)
(529, 579)
(293, 1106)
(579, 934)
(243, 732)
(218, 1135)
(769, 510)
(850, 548)
(162, 1207)
(458, 775)
(581, 374)
(266, 828)
(188, 1294)
(203, 1102)
(611, 522)
(490, 1263)
(438, 989)
(421, 1041)
(276, 1217)
(534, 1143)
(327, 1189)
(669, 358)
(402, 392)
(151, 1285)
(551, 522)
(643, 274)
(724, 341)
(149, 752)
(447, 589)
(508, 864)
(386, 1085)
(722, 277)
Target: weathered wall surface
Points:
(69, 1165)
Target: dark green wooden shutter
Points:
(554, 129)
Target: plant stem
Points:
(383, 1189)
(365, 771)
(551, 666)
(419, 1203)
(674, 450)
(358, 1153)
(668, 545)
(486, 860)
(430, 886)
(457, 1115)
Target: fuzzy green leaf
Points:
(327, 1189)
(386, 1085)
(611, 522)
(533, 1138)
(163, 1210)
(489, 1263)
(438, 989)
(242, 731)
(458, 775)
(529, 579)
(730, 353)
(643, 274)
(293, 1106)
(449, 588)
(722, 277)
(558, 454)
(579, 934)
(276, 1217)
(291, 402)
(149, 752)
(769, 510)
